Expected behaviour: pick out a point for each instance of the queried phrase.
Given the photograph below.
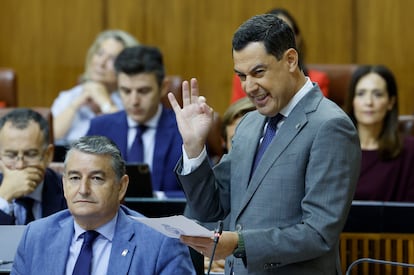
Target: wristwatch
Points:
(240, 251)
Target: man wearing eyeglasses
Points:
(28, 189)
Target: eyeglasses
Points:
(29, 157)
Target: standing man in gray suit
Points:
(288, 206)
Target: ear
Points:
(123, 185)
(164, 86)
(391, 103)
(292, 58)
(65, 192)
(49, 154)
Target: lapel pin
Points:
(125, 252)
(297, 126)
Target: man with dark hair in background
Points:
(28, 189)
(141, 84)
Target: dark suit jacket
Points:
(52, 197)
(167, 149)
(293, 208)
(44, 248)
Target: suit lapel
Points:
(55, 244)
(123, 128)
(253, 134)
(292, 125)
(123, 248)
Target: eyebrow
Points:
(100, 172)
(24, 151)
(252, 69)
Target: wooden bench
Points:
(393, 247)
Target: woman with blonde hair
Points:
(97, 92)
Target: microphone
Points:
(375, 261)
(217, 234)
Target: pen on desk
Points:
(5, 262)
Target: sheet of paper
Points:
(175, 226)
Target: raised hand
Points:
(194, 119)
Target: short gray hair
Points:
(99, 145)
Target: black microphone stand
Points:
(375, 261)
(217, 234)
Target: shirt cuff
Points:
(5, 206)
(189, 165)
(240, 251)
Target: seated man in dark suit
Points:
(28, 189)
(141, 83)
(96, 235)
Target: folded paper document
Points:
(175, 226)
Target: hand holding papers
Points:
(175, 226)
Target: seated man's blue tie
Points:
(84, 262)
(136, 152)
(27, 203)
(267, 138)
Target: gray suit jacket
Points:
(44, 248)
(293, 208)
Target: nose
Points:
(135, 97)
(368, 99)
(19, 164)
(250, 85)
(101, 60)
(84, 188)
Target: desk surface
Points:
(5, 268)
(153, 207)
(380, 217)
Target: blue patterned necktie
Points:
(136, 152)
(27, 204)
(267, 138)
(84, 262)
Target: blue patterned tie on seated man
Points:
(95, 182)
(142, 83)
(28, 189)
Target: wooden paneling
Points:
(46, 40)
(195, 36)
(384, 36)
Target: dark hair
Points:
(141, 59)
(100, 145)
(300, 45)
(388, 140)
(276, 35)
(286, 14)
(20, 118)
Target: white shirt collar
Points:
(107, 230)
(297, 97)
(151, 123)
